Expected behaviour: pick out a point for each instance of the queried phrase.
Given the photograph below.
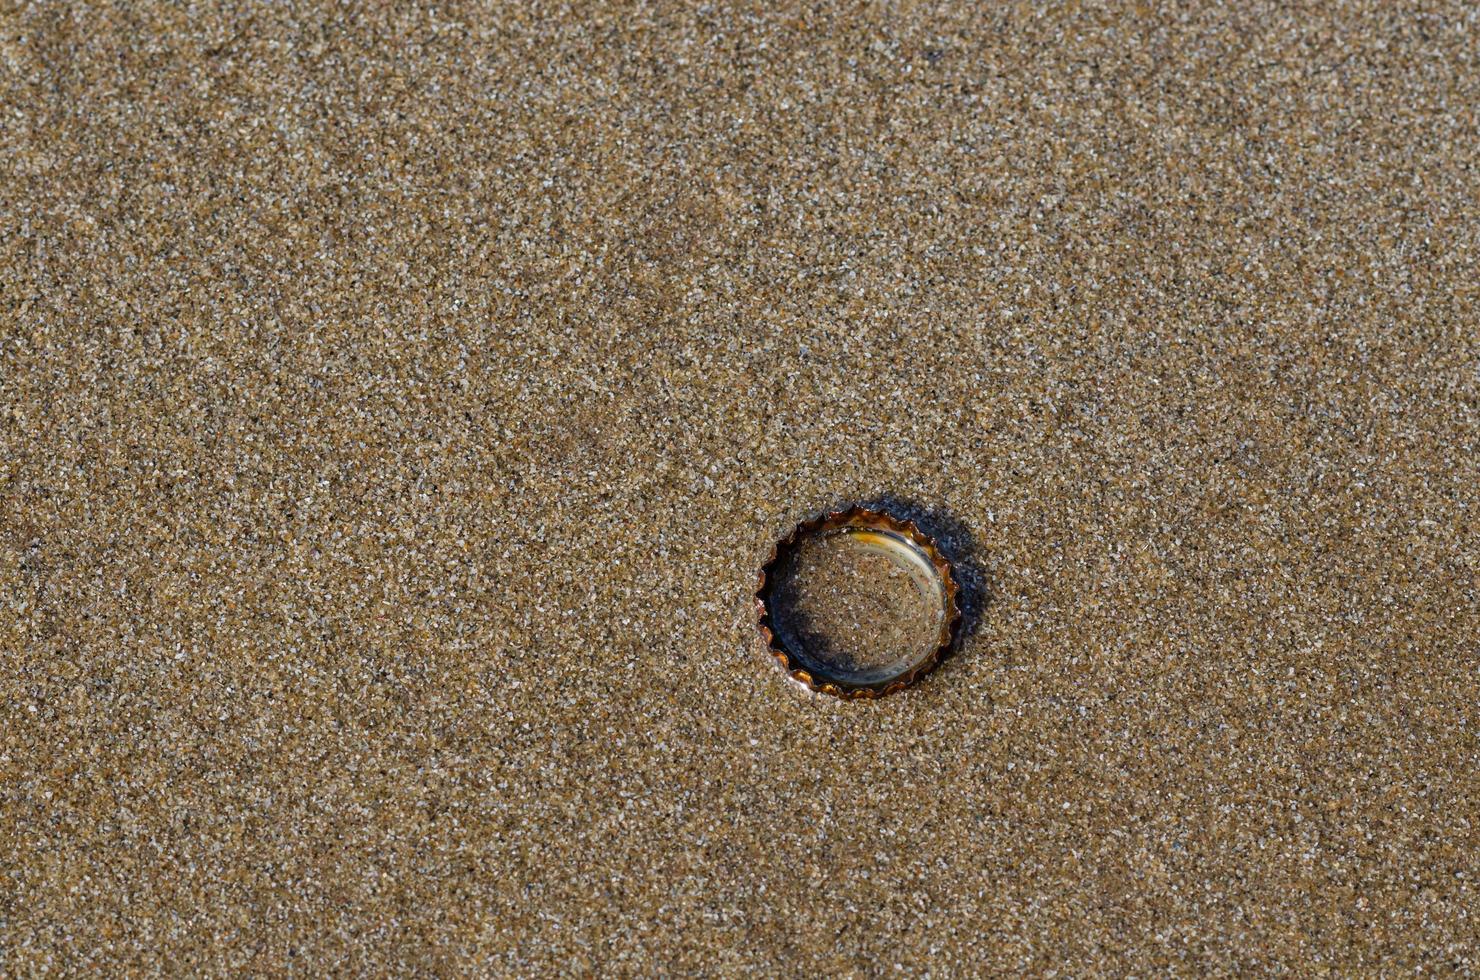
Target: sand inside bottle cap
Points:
(857, 605)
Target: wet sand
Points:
(396, 406)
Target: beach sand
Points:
(397, 403)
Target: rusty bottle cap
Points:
(857, 603)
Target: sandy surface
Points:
(395, 408)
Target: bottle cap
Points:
(857, 603)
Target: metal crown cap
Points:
(857, 517)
